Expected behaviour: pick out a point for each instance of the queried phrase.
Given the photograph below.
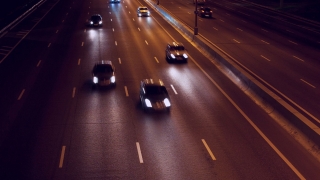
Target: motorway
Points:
(55, 126)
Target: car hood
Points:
(143, 11)
(155, 98)
(178, 53)
(103, 75)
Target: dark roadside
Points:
(308, 9)
(12, 9)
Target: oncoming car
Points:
(143, 11)
(154, 95)
(95, 20)
(114, 1)
(103, 73)
(176, 52)
(205, 12)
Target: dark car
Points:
(143, 11)
(176, 52)
(154, 95)
(95, 20)
(205, 12)
(103, 73)
(114, 1)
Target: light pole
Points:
(196, 19)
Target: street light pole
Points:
(196, 19)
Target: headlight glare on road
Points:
(172, 56)
(148, 103)
(113, 79)
(185, 55)
(166, 102)
(95, 80)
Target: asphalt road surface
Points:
(54, 125)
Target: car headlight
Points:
(148, 103)
(91, 22)
(172, 56)
(113, 79)
(166, 102)
(100, 22)
(95, 80)
(185, 55)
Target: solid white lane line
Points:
(265, 58)
(82, 43)
(250, 122)
(73, 92)
(62, 156)
(49, 44)
(79, 60)
(139, 152)
(298, 58)
(293, 42)
(236, 41)
(156, 59)
(174, 90)
(38, 63)
(119, 60)
(115, 43)
(307, 83)
(146, 42)
(208, 149)
(126, 91)
(21, 94)
(265, 42)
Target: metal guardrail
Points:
(20, 18)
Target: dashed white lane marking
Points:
(293, 42)
(264, 30)
(215, 28)
(57, 31)
(79, 60)
(21, 94)
(156, 59)
(133, 19)
(116, 43)
(85, 30)
(174, 90)
(298, 58)
(236, 41)
(208, 149)
(239, 29)
(129, 12)
(119, 60)
(73, 92)
(49, 44)
(139, 152)
(126, 91)
(111, 19)
(265, 42)
(62, 21)
(113, 29)
(82, 43)
(62, 156)
(221, 20)
(139, 29)
(307, 83)
(146, 42)
(39, 63)
(265, 58)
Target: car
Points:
(143, 11)
(103, 73)
(95, 20)
(114, 1)
(176, 52)
(154, 95)
(205, 12)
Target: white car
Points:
(143, 11)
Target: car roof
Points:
(175, 44)
(96, 15)
(151, 82)
(104, 62)
(143, 7)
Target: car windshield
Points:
(143, 8)
(95, 18)
(207, 9)
(103, 69)
(155, 90)
(176, 48)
